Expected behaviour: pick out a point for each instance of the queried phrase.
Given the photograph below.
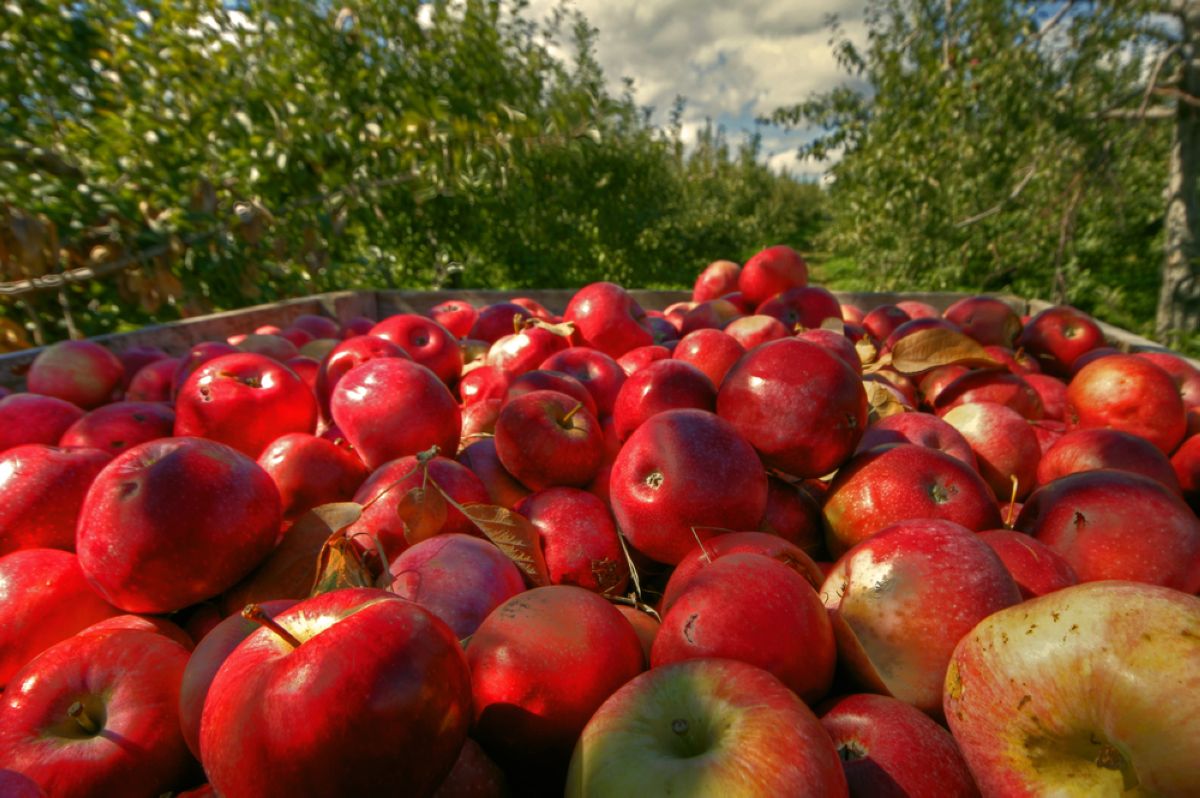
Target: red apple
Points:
(80, 372)
(642, 356)
(771, 271)
(717, 279)
(359, 325)
(18, 785)
(793, 513)
(990, 321)
(483, 383)
(1117, 525)
(682, 475)
(474, 775)
(32, 418)
(883, 321)
(348, 354)
(98, 714)
(804, 307)
(245, 401)
(196, 357)
(1092, 449)
(900, 482)
(1186, 464)
(1052, 392)
(661, 386)
(547, 438)
(174, 521)
(1090, 690)
(763, 543)
(802, 408)
(380, 684)
(607, 318)
(751, 608)
(384, 490)
(207, 658)
(1036, 568)
(1004, 444)
(750, 331)
(458, 578)
(310, 471)
(889, 748)
(1020, 363)
(389, 408)
(578, 539)
(714, 314)
(456, 316)
(275, 347)
(917, 310)
(922, 429)
(997, 385)
(116, 427)
(1057, 336)
(502, 488)
(1185, 375)
(1131, 394)
(426, 341)
(903, 598)
(835, 343)
(705, 727)
(498, 319)
(317, 326)
(541, 664)
(135, 358)
(598, 372)
(44, 598)
(296, 336)
(543, 380)
(43, 489)
(712, 351)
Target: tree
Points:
(173, 157)
(1003, 145)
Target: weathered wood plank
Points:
(178, 337)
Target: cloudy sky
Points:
(732, 61)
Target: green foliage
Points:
(267, 148)
(982, 154)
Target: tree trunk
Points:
(1179, 299)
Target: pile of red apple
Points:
(756, 544)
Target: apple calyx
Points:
(80, 715)
(254, 612)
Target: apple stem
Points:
(80, 716)
(255, 613)
(571, 414)
(703, 551)
(1012, 502)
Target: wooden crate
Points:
(177, 337)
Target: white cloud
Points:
(732, 62)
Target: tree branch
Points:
(1157, 112)
(995, 209)
(1054, 20)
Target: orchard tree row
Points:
(170, 158)
(1050, 149)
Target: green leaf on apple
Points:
(341, 565)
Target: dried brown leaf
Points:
(936, 346)
(423, 511)
(291, 570)
(513, 534)
(881, 401)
